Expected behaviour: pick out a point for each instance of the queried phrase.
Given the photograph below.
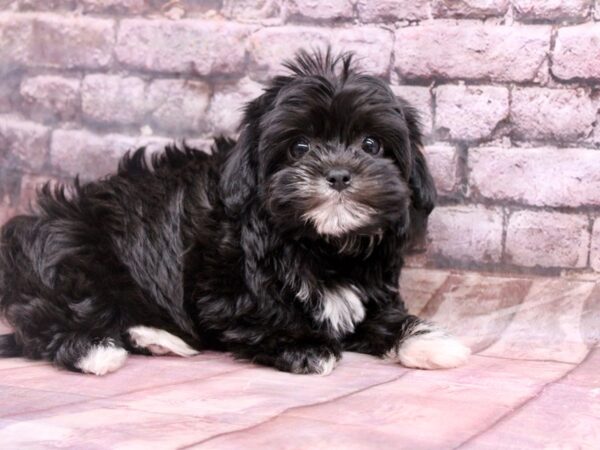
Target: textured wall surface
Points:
(509, 92)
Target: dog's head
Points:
(331, 152)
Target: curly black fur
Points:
(225, 250)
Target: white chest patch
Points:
(342, 308)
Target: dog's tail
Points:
(9, 348)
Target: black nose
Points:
(338, 179)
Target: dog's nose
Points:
(338, 179)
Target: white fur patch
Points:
(433, 349)
(159, 342)
(327, 365)
(342, 308)
(337, 216)
(102, 359)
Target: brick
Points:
(74, 152)
(9, 92)
(269, 47)
(372, 46)
(51, 97)
(227, 103)
(25, 142)
(30, 184)
(70, 42)
(577, 52)
(114, 6)
(15, 36)
(315, 9)
(46, 5)
(595, 249)
(472, 9)
(442, 161)
(113, 99)
(392, 10)
(466, 233)
(178, 105)
(561, 114)
(547, 239)
(536, 176)
(196, 46)
(250, 10)
(471, 51)
(550, 9)
(469, 112)
(420, 98)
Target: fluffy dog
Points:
(283, 248)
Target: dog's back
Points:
(93, 256)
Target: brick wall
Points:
(509, 91)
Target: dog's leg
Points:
(159, 342)
(406, 339)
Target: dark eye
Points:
(371, 145)
(300, 147)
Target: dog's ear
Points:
(239, 177)
(423, 192)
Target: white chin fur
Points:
(159, 342)
(102, 359)
(433, 349)
(336, 216)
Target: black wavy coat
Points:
(216, 249)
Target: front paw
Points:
(309, 360)
(428, 347)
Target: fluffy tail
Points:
(9, 347)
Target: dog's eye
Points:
(371, 145)
(300, 147)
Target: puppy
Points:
(283, 248)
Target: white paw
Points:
(431, 350)
(102, 359)
(326, 365)
(159, 342)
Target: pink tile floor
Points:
(534, 382)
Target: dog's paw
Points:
(430, 348)
(102, 359)
(159, 342)
(307, 361)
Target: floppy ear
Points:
(239, 177)
(423, 192)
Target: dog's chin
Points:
(339, 216)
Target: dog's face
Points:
(331, 152)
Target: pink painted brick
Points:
(227, 103)
(197, 46)
(16, 33)
(562, 114)
(537, 176)
(26, 142)
(471, 51)
(114, 6)
(268, 47)
(51, 97)
(392, 10)
(179, 105)
(547, 239)
(316, 9)
(251, 10)
(550, 9)
(443, 165)
(113, 99)
(476, 9)
(466, 233)
(70, 42)
(420, 98)
(90, 155)
(577, 52)
(469, 112)
(595, 249)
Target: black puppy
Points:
(284, 248)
